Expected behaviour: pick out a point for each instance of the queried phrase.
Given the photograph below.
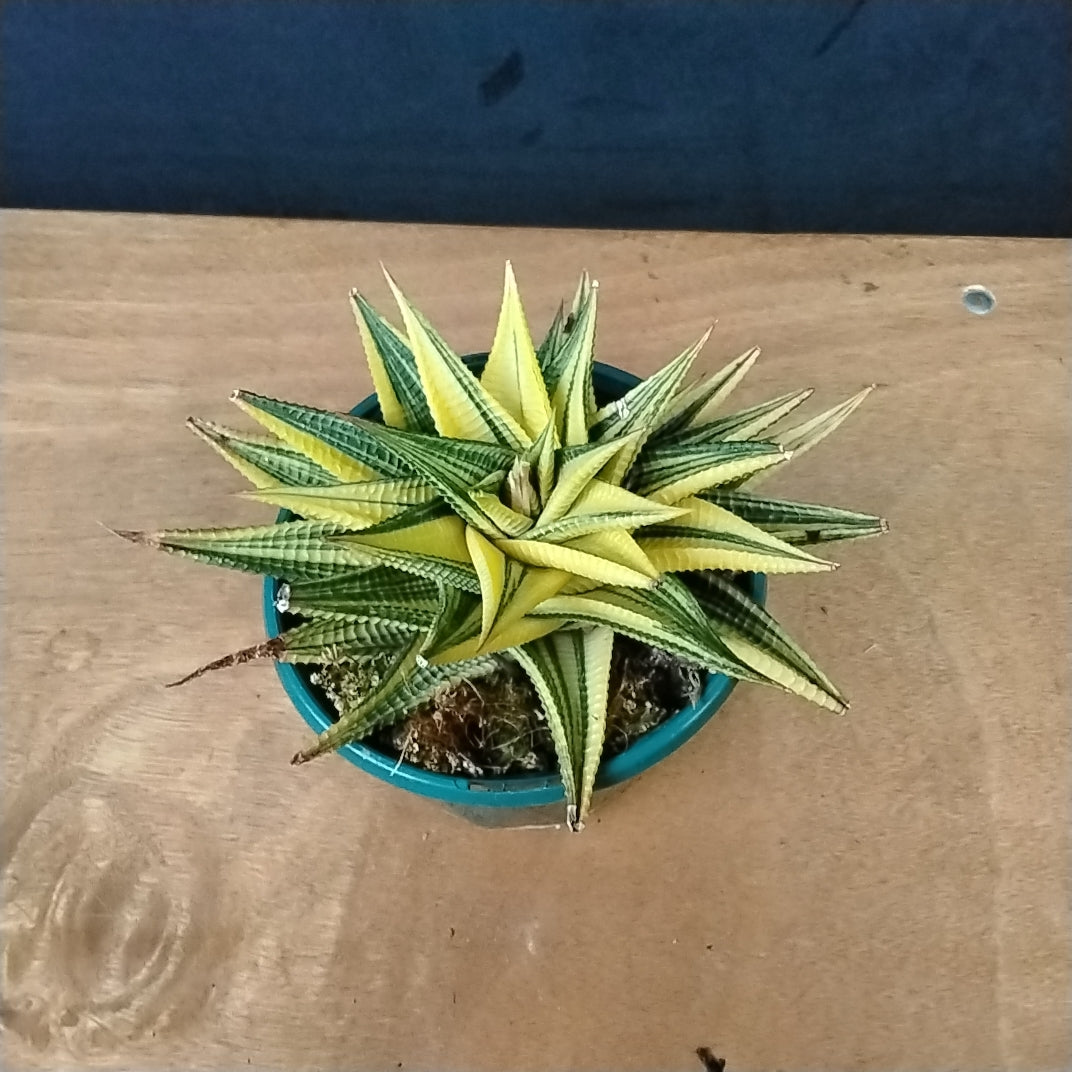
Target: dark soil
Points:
(495, 725)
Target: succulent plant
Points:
(507, 515)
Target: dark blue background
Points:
(895, 115)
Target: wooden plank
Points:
(793, 890)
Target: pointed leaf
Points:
(667, 473)
(697, 402)
(394, 370)
(512, 373)
(503, 639)
(746, 423)
(796, 522)
(573, 399)
(573, 559)
(571, 672)
(501, 520)
(639, 410)
(427, 540)
(338, 443)
(451, 466)
(603, 506)
(292, 550)
(666, 616)
(711, 538)
(460, 406)
(733, 614)
(355, 505)
(803, 437)
(262, 460)
(576, 472)
(378, 592)
(490, 564)
(404, 686)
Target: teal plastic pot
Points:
(516, 790)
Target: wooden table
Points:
(889, 890)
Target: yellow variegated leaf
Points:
(490, 565)
(619, 547)
(803, 437)
(572, 399)
(711, 538)
(603, 506)
(639, 409)
(460, 406)
(533, 587)
(356, 505)
(508, 522)
(571, 559)
(571, 672)
(577, 473)
(393, 413)
(714, 391)
(719, 472)
(781, 673)
(443, 537)
(220, 439)
(503, 639)
(332, 459)
(512, 373)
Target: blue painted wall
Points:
(943, 116)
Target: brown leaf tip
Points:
(146, 539)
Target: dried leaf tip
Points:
(146, 539)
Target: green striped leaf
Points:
(552, 355)
(355, 505)
(577, 468)
(321, 641)
(666, 616)
(394, 370)
(669, 473)
(797, 522)
(337, 442)
(573, 399)
(458, 618)
(571, 672)
(460, 406)
(603, 506)
(404, 685)
(638, 411)
(451, 466)
(426, 540)
(802, 437)
(703, 398)
(262, 460)
(746, 423)
(294, 550)
(377, 592)
(732, 613)
(549, 351)
(709, 537)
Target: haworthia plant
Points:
(504, 516)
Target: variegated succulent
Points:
(506, 514)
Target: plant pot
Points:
(476, 797)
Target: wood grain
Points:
(792, 890)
